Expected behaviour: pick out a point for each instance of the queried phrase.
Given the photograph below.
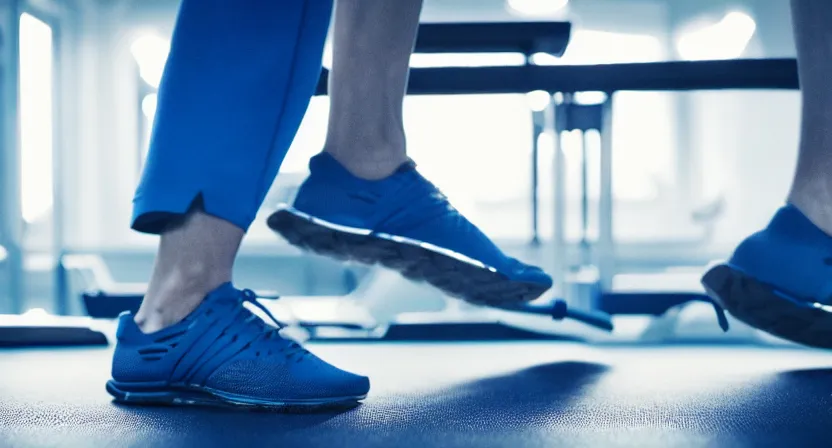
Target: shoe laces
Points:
(290, 348)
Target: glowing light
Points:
(36, 316)
(428, 60)
(604, 47)
(151, 52)
(36, 313)
(726, 39)
(544, 59)
(545, 141)
(536, 7)
(3, 253)
(149, 106)
(538, 100)
(590, 97)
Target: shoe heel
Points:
(717, 282)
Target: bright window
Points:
(36, 73)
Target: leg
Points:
(228, 110)
(235, 88)
(776, 276)
(811, 190)
(373, 40)
(187, 269)
(365, 201)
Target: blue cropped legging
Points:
(236, 85)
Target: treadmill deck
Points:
(518, 394)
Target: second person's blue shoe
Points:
(779, 280)
(405, 223)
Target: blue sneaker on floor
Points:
(404, 223)
(223, 354)
(779, 280)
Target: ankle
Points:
(153, 321)
(173, 297)
(160, 310)
(815, 208)
(369, 165)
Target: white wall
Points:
(743, 144)
(102, 124)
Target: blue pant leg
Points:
(236, 85)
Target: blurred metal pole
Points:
(538, 128)
(60, 56)
(605, 251)
(559, 246)
(11, 218)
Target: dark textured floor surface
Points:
(449, 395)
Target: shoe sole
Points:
(765, 308)
(452, 273)
(206, 397)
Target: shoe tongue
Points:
(226, 291)
(325, 163)
(223, 295)
(406, 167)
(791, 222)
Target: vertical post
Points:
(59, 57)
(538, 128)
(585, 246)
(605, 249)
(559, 178)
(11, 220)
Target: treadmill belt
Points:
(529, 394)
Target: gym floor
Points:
(530, 394)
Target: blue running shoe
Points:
(404, 223)
(224, 355)
(779, 280)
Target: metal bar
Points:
(648, 76)
(66, 24)
(494, 37)
(585, 244)
(61, 297)
(559, 198)
(538, 128)
(605, 246)
(11, 221)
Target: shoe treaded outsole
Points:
(759, 305)
(195, 398)
(454, 277)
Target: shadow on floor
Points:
(522, 397)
